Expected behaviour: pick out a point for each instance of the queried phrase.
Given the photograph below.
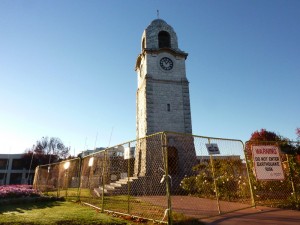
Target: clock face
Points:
(166, 63)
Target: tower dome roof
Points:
(158, 21)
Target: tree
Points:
(52, 146)
(264, 135)
(46, 151)
(31, 160)
(298, 133)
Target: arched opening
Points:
(173, 161)
(139, 163)
(164, 39)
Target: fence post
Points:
(79, 179)
(58, 182)
(36, 184)
(89, 183)
(167, 178)
(103, 181)
(48, 171)
(214, 177)
(249, 178)
(66, 182)
(128, 181)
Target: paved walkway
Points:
(200, 208)
(259, 216)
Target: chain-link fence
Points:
(119, 179)
(59, 179)
(169, 176)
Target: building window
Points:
(17, 164)
(164, 39)
(3, 164)
(168, 107)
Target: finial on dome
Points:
(157, 14)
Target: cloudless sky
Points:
(67, 68)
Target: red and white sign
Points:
(267, 163)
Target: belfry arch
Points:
(164, 39)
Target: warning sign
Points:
(267, 163)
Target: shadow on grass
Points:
(22, 207)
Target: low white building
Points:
(12, 170)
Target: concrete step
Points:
(123, 181)
(108, 187)
(98, 191)
(115, 184)
(117, 187)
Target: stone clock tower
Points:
(163, 102)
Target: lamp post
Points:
(66, 167)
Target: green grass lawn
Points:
(114, 203)
(119, 203)
(54, 213)
(61, 213)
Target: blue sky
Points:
(67, 68)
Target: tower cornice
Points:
(169, 50)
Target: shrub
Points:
(230, 177)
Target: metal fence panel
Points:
(123, 183)
(216, 183)
(169, 176)
(59, 179)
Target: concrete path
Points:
(258, 216)
(201, 208)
